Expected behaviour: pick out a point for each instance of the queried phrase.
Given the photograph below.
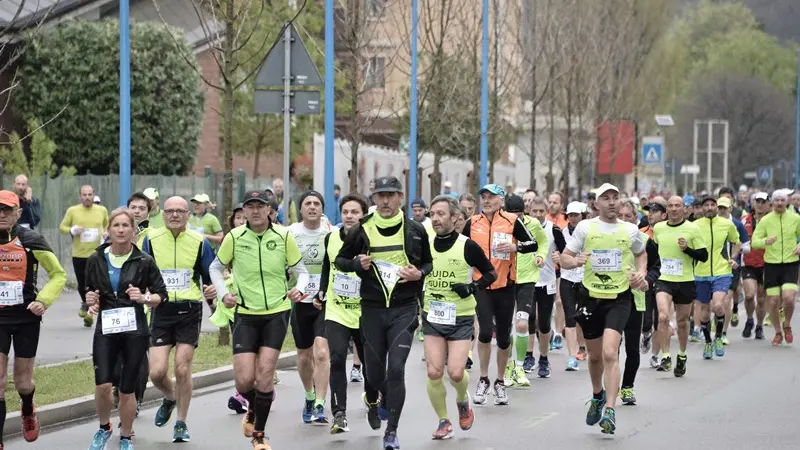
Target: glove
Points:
(463, 290)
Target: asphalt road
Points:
(746, 400)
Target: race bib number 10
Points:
(346, 286)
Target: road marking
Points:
(536, 420)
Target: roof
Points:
(18, 14)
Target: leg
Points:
(749, 285)
(369, 388)
(399, 337)
(105, 351)
(435, 350)
(79, 266)
(134, 350)
(374, 338)
(568, 305)
(184, 353)
(485, 314)
(3, 379)
(338, 339)
(303, 334)
(503, 300)
(663, 302)
(322, 363)
(633, 332)
(159, 363)
(682, 316)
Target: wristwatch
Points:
(147, 299)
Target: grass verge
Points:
(72, 380)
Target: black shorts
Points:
(463, 330)
(253, 331)
(776, 275)
(596, 315)
(524, 300)
(569, 300)
(108, 348)
(308, 323)
(176, 323)
(737, 278)
(25, 337)
(753, 273)
(682, 292)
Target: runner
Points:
(259, 254)
(183, 256)
(656, 212)
(571, 280)
(155, 217)
(725, 208)
(22, 306)
(342, 314)
(202, 221)
(714, 276)
(120, 280)
(307, 319)
(87, 224)
(449, 311)
(501, 235)
(391, 255)
(778, 233)
(605, 301)
(139, 205)
(753, 271)
(528, 273)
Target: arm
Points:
(474, 256)
(216, 270)
(105, 220)
(295, 262)
(204, 262)
(558, 237)
(697, 254)
(36, 211)
(733, 238)
(653, 262)
(467, 224)
(216, 236)
(354, 244)
(542, 240)
(56, 274)
(66, 223)
(426, 262)
(525, 241)
(760, 236)
(155, 283)
(326, 265)
(568, 258)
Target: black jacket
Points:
(418, 251)
(140, 270)
(31, 212)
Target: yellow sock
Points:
(437, 393)
(462, 388)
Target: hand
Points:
(540, 262)
(28, 194)
(93, 297)
(770, 240)
(77, 230)
(582, 258)
(733, 264)
(37, 307)
(556, 257)
(229, 300)
(209, 292)
(295, 295)
(682, 244)
(505, 247)
(94, 310)
(365, 261)
(318, 302)
(463, 290)
(636, 279)
(134, 294)
(797, 250)
(410, 273)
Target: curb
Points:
(84, 407)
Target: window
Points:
(374, 73)
(375, 8)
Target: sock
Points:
(520, 347)
(598, 395)
(496, 382)
(682, 353)
(718, 325)
(3, 418)
(529, 354)
(461, 388)
(706, 326)
(486, 380)
(469, 355)
(664, 355)
(124, 438)
(263, 405)
(250, 396)
(319, 401)
(106, 427)
(356, 366)
(542, 358)
(27, 402)
(438, 397)
(311, 395)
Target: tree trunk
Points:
(436, 176)
(551, 134)
(257, 156)
(568, 140)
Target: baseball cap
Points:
(201, 198)
(781, 193)
(448, 184)
(9, 198)
(253, 196)
(387, 184)
(238, 207)
(655, 207)
(494, 189)
(708, 198)
(514, 204)
(97, 199)
(151, 193)
(760, 196)
(419, 202)
(724, 202)
(605, 187)
(576, 208)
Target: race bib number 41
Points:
(607, 260)
(11, 293)
(119, 320)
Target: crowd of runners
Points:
(503, 270)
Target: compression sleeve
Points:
(56, 274)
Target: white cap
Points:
(96, 199)
(760, 196)
(576, 208)
(743, 188)
(448, 184)
(151, 193)
(372, 209)
(605, 187)
(201, 198)
(635, 200)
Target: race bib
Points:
(119, 320)
(177, 279)
(551, 288)
(90, 235)
(672, 267)
(607, 260)
(313, 284)
(200, 230)
(388, 273)
(498, 238)
(11, 293)
(442, 313)
(346, 286)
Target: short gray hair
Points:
(628, 203)
(539, 201)
(452, 203)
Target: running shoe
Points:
(308, 411)
(759, 333)
(466, 416)
(508, 374)
(666, 364)
(420, 336)
(138, 406)
(708, 351)
(551, 344)
(787, 333)
(572, 364)
(609, 421)
(719, 347)
(697, 336)
(735, 320)
(644, 347)
(500, 395)
(528, 363)
(444, 431)
(481, 392)
(125, 444)
(373, 417)
(237, 403)
(248, 423)
(164, 412)
(339, 423)
(260, 442)
(30, 427)
(558, 342)
(181, 432)
(319, 415)
(275, 380)
(519, 378)
(748, 328)
(100, 439)
(595, 412)
(628, 396)
(544, 368)
(390, 441)
(383, 413)
(355, 375)
(778, 339)
(654, 363)
(725, 339)
(680, 366)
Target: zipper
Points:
(711, 228)
(261, 271)
(174, 260)
(781, 222)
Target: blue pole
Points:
(412, 138)
(124, 103)
(330, 116)
(797, 130)
(484, 170)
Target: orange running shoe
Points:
(30, 427)
(466, 416)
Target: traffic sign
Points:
(302, 103)
(664, 121)
(304, 71)
(652, 150)
(751, 175)
(765, 174)
(691, 169)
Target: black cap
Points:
(238, 207)
(708, 198)
(312, 193)
(255, 196)
(514, 204)
(419, 202)
(387, 184)
(655, 207)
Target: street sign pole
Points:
(287, 119)
(330, 114)
(124, 103)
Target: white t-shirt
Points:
(547, 274)
(579, 235)
(574, 275)
(311, 244)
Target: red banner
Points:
(614, 147)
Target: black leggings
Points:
(650, 320)
(79, 265)
(141, 383)
(338, 341)
(569, 302)
(496, 308)
(387, 334)
(633, 331)
(543, 309)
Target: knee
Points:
(455, 374)
(183, 371)
(503, 340)
(595, 357)
(485, 335)
(103, 389)
(544, 325)
(321, 354)
(521, 326)
(158, 373)
(435, 372)
(663, 317)
(304, 356)
(610, 354)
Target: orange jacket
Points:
(483, 232)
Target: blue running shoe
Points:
(572, 364)
(719, 347)
(319, 415)
(528, 363)
(708, 351)
(100, 439)
(308, 411)
(125, 444)
(551, 345)
(164, 412)
(390, 441)
(609, 421)
(558, 343)
(595, 409)
(181, 432)
(544, 368)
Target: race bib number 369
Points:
(607, 260)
